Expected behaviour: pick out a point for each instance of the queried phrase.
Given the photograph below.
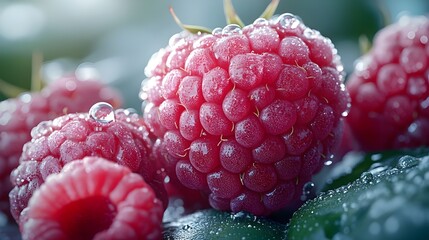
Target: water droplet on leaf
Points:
(407, 162)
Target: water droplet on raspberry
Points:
(102, 112)
(130, 114)
(328, 162)
(5, 117)
(338, 65)
(413, 59)
(424, 39)
(41, 129)
(25, 97)
(231, 29)
(307, 191)
(217, 32)
(289, 20)
(260, 22)
(310, 33)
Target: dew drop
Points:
(367, 178)
(217, 32)
(424, 39)
(328, 162)
(186, 227)
(345, 113)
(176, 38)
(260, 22)
(411, 35)
(310, 33)
(307, 191)
(102, 112)
(129, 111)
(338, 64)
(130, 114)
(5, 118)
(407, 162)
(288, 20)
(41, 129)
(25, 97)
(167, 179)
(231, 29)
(378, 168)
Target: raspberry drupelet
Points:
(389, 88)
(249, 114)
(116, 135)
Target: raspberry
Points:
(248, 114)
(389, 89)
(93, 198)
(119, 136)
(188, 200)
(18, 116)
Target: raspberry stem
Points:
(231, 14)
(364, 44)
(190, 28)
(36, 65)
(10, 90)
(270, 10)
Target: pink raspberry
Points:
(389, 88)
(93, 198)
(18, 116)
(248, 114)
(119, 136)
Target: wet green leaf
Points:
(390, 204)
(213, 224)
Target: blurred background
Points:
(114, 39)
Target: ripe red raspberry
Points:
(19, 115)
(389, 88)
(179, 196)
(93, 198)
(119, 136)
(246, 114)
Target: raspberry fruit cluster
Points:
(119, 136)
(389, 88)
(247, 115)
(19, 115)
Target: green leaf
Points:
(213, 224)
(230, 14)
(390, 204)
(343, 173)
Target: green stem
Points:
(364, 44)
(231, 14)
(190, 28)
(36, 65)
(270, 10)
(9, 90)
